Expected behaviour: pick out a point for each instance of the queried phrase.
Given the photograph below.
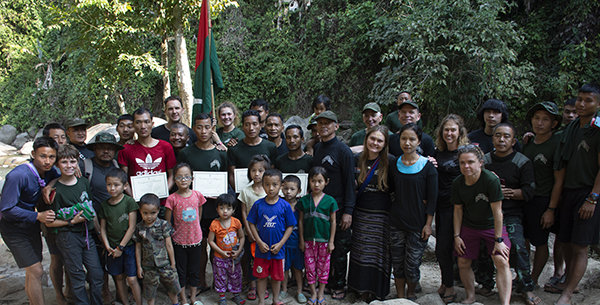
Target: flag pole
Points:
(212, 90)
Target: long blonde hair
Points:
(236, 117)
(382, 168)
(462, 132)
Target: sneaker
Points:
(301, 298)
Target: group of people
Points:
(376, 198)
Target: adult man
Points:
(147, 155)
(295, 160)
(204, 156)
(125, 128)
(569, 113)
(577, 159)
(408, 112)
(338, 160)
(56, 132)
(392, 121)
(538, 216)
(240, 155)
(516, 175)
(262, 107)
(492, 113)
(274, 129)
(173, 112)
(105, 146)
(77, 133)
(371, 116)
(179, 137)
(19, 222)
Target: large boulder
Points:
(393, 302)
(8, 134)
(20, 140)
(39, 133)
(32, 131)
(27, 148)
(102, 127)
(6, 149)
(430, 299)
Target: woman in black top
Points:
(451, 134)
(370, 262)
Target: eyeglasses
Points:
(184, 178)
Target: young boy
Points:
(73, 240)
(154, 251)
(271, 221)
(117, 223)
(294, 257)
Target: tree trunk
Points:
(164, 54)
(120, 101)
(184, 79)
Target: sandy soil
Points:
(12, 285)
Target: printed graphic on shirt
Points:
(124, 216)
(148, 165)
(482, 196)
(189, 214)
(229, 239)
(541, 158)
(270, 223)
(329, 159)
(215, 163)
(583, 144)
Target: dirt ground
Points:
(12, 285)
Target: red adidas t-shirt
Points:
(141, 160)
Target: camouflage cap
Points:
(74, 122)
(104, 138)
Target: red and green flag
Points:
(207, 66)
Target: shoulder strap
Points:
(116, 163)
(88, 168)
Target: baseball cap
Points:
(74, 122)
(330, 115)
(409, 102)
(372, 106)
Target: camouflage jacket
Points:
(154, 250)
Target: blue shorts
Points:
(294, 257)
(123, 264)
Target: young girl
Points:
(228, 247)
(228, 119)
(185, 208)
(250, 194)
(415, 180)
(317, 231)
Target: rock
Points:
(102, 127)
(430, 249)
(11, 285)
(430, 299)
(14, 161)
(20, 140)
(393, 302)
(296, 120)
(32, 131)
(344, 135)
(8, 134)
(27, 148)
(39, 133)
(6, 149)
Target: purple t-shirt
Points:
(271, 220)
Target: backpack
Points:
(89, 168)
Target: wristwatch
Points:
(70, 223)
(120, 247)
(499, 239)
(592, 198)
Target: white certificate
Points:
(241, 179)
(211, 184)
(303, 183)
(155, 184)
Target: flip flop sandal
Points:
(449, 298)
(267, 295)
(338, 295)
(237, 299)
(552, 281)
(251, 294)
(531, 300)
(485, 292)
(322, 302)
(311, 302)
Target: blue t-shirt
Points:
(271, 220)
(294, 239)
(21, 193)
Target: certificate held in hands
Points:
(210, 184)
(154, 183)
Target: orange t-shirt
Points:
(225, 238)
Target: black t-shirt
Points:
(98, 181)
(162, 133)
(476, 199)
(448, 169)
(542, 156)
(426, 148)
(282, 148)
(287, 165)
(241, 154)
(484, 141)
(84, 152)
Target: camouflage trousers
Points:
(519, 259)
(165, 275)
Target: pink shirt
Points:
(186, 218)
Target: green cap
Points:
(104, 138)
(74, 122)
(409, 102)
(312, 121)
(548, 106)
(330, 115)
(372, 106)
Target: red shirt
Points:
(141, 160)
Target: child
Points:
(154, 251)
(271, 222)
(228, 248)
(185, 206)
(317, 230)
(294, 257)
(73, 240)
(320, 105)
(118, 217)
(250, 194)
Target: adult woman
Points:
(451, 134)
(228, 119)
(414, 180)
(370, 262)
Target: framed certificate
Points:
(241, 179)
(211, 184)
(155, 184)
(303, 182)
